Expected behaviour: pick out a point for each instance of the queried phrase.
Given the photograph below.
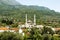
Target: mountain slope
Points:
(12, 9)
(9, 2)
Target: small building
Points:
(57, 29)
(3, 29)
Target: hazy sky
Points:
(52, 4)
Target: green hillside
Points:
(44, 15)
(9, 2)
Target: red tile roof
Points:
(57, 29)
(16, 29)
(5, 28)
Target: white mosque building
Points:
(30, 24)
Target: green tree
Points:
(47, 30)
(10, 36)
(35, 34)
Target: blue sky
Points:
(52, 4)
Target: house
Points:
(2, 29)
(57, 29)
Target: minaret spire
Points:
(34, 19)
(26, 18)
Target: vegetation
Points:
(10, 36)
(34, 34)
(11, 14)
(44, 15)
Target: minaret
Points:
(34, 19)
(26, 19)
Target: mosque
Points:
(30, 24)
